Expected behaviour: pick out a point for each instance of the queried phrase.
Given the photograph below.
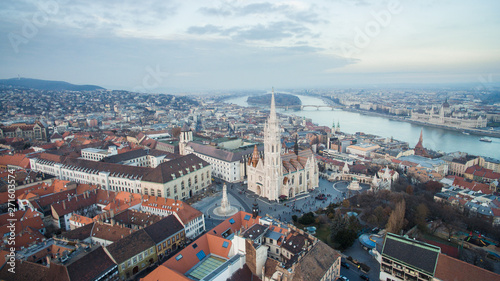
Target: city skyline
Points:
(168, 46)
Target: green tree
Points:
(307, 218)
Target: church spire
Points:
(255, 156)
(296, 145)
(421, 139)
(272, 114)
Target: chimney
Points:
(64, 205)
(47, 259)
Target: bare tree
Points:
(396, 219)
(176, 132)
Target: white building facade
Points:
(280, 175)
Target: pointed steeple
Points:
(387, 176)
(338, 126)
(272, 114)
(296, 145)
(255, 156)
(421, 139)
(345, 170)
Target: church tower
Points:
(419, 148)
(272, 154)
(185, 137)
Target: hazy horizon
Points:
(159, 46)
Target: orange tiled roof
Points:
(17, 159)
(449, 268)
(184, 211)
(208, 243)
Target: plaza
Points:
(241, 198)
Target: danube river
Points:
(352, 122)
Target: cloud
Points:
(271, 32)
(206, 29)
(291, 11)
(218, 11)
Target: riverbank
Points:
(472, 131)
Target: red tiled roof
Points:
(449, 268)
(17, 159)
(472, 185)
(208, 243)
(479, 171)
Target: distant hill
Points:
(47, 85)
(281, 100)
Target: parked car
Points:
(344, 264)
(364, 277)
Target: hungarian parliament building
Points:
(446, 116)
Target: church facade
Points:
(278, 176)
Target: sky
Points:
(164, 45)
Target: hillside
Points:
(47, 85)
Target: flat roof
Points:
(205, 267)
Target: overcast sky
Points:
(195, 45)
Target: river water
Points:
(352, 122)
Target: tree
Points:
(176, 132)
(421, 216)
(409, 189)
(396, 219)
(433, 186)
(307, 218)
(346, 203)
(294, 218)
(476, 257)
(338, 223)
(344, 239)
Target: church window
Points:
(300, 179)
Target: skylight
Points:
(195, 245)
(178, 257)
(201, 255)
(247, 217)
(225, 244)
(232, 221)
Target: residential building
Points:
(363, 149)
(179, 178)
(35, 131)
(481, 174)
(95, 154)
(192, 219)
(258, 248)
(133, 253)
(84, 264)
(168, 235)
(459, 162)
(403, 258)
